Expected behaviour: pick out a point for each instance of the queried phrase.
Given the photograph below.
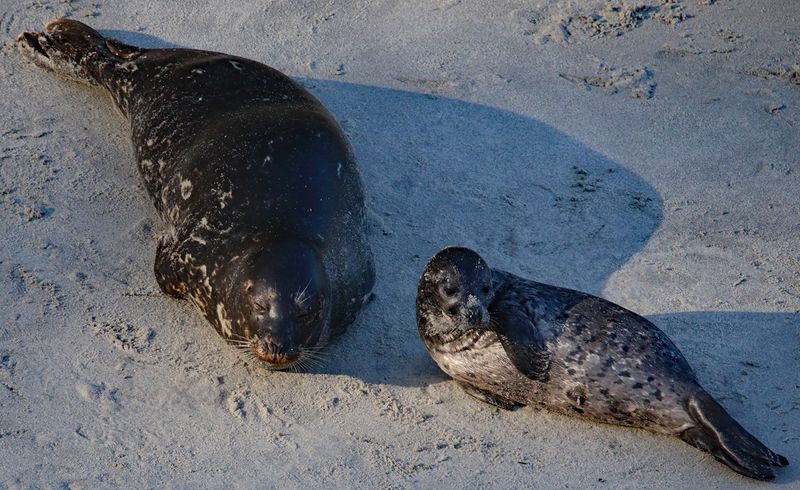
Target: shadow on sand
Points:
(440, 171)
(532, 199)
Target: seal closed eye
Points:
(571, 353)
(254, 179)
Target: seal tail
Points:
(718, 433)
(74, 50)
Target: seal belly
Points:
(484, 364)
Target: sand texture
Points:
(648, 152)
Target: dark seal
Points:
(254, 179)
(512, 342)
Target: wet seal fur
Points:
(254, 178)
(512, 342)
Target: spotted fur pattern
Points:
(586, 357)
(235, 156)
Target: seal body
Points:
(514, 342)
(257, 185)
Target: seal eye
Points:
(261, 309)
(310, 313)
(309, 316)
(486, 289)
(448, 290)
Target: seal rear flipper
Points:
(74, 50)
(521, 340)
(489, 397)
(719, 434)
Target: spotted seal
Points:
(511, 342)
(257, 185)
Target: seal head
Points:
(280, 298)
(453, 294)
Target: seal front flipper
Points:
(167, 275)
(521, 339)
(489, 397)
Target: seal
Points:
(254, 179)
(512, 342)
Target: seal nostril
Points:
(485, 316)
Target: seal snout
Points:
(278, 355)
(477, 315)
(32, 41)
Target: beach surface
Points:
(648, 153)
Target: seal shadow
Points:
(440, 171)
(138, 39)
(749, 362)
(532, 200)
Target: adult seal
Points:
(254, 179)
(511, 342)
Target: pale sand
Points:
(649, 156)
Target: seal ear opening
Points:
(122, 50)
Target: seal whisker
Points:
(301, 296)
(317, 354)
(318, 363)
(308, 361)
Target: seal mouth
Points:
(280, 360)
(274, 358)
(303, 360)
(34, 40)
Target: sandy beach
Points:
(647, 152)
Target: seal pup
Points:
(512, 342)
(254, 179)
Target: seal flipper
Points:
(719, 434)
(74, 50)
(122, 50)
(166, 273)
(522, 341)
(489, 397)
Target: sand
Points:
(647, 153)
